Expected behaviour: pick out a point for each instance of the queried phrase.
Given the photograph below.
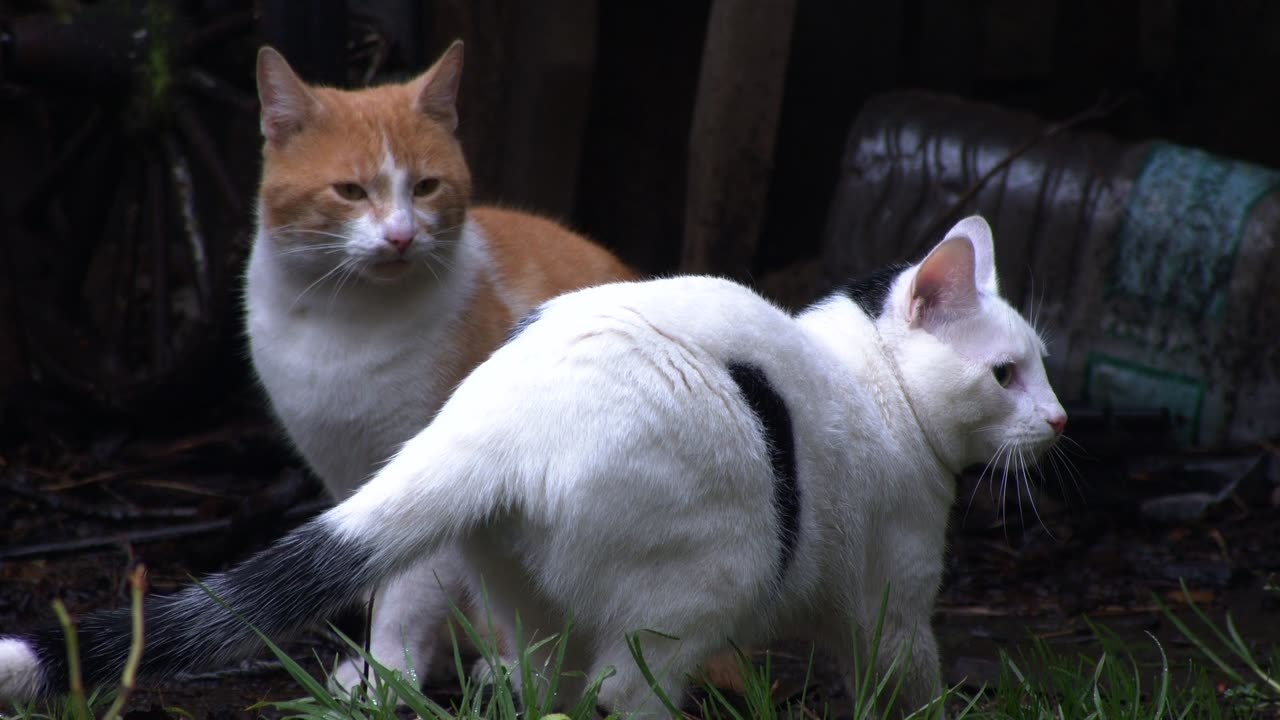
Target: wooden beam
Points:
(735, 125)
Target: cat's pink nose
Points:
(1058, 422)
(399, 238)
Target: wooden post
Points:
(552, 57)
(735, 124)
(526, 88)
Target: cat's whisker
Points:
(1010, 469)
(431, 268)
(985, 428)
(349, 273)
(1030, 306)
(445, 263)
(317, 281)
(1046, 336)
(1075, 447)
(1031, 499)
(343, 270)
(978, 483)
(1019, 471)
(323, 248)
(1004, 493)
(448, 231)
(1037, 302)
(1058, 470)
(1000, 461)
(1072, 471)
(321, 233)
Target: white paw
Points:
(348, 676)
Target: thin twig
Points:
(108, 512)
(143, 536)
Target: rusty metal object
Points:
(1147, 264)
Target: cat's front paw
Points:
(353, 677)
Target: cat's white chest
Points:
(349, 383)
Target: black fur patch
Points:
(522, 324)
(304, 577)
(871, 291)
(772, 411)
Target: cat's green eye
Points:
(425, 187)
(1003, 373)
(350, 191)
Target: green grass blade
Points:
(720, 703)
(296, 671)
(1242, 651)
(1195, 639)
(79, 707)
(1162, 690)
(637, 653)
(137, 587)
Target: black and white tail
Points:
(309, 574)
(313, 572)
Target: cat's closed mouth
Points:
(390, 269)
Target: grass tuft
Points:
(1040, 683)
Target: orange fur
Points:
(345, 136)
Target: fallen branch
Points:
(144, 536)
(107, 512)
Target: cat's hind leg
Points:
(409, 613)
(907, 654)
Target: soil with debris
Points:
(1131, 520)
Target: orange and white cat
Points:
(373, 288)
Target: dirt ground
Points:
(77, 509)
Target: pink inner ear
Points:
(285, 100)
(438, 88)
(944, 284)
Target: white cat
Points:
(678, 456)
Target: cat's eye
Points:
(1003, 373)
(425, 187)
(350, 191)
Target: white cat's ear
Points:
(436, 90)
(984, 252)
(944, 286)
(287, 104)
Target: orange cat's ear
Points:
(436, 90)
(286, 102)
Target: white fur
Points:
(355, 366)
(603, 467)
(19, 669)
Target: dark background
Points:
(585, 111)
